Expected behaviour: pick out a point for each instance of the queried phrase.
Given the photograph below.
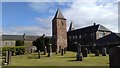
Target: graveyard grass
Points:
(57, 60)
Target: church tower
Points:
(59, 32)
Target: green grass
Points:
(57, 60)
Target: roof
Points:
(91, 29)
(20, 37)
(58, 15)
(118, 34)
(102, 28)
(71, 27)
(110, 39)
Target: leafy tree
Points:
(47, 42)
(19, 43)
(39, 43)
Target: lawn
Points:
(57, 60)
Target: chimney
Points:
(24, 36)
(94, 24)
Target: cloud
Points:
(84, 14)
(29, 30)
(58, 0)
(48, 7)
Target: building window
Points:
(70, 38)
(76, 37)
(62, 22)
(5, 43)
(91, 34)
(11, 43)
(79, 36)
(101, 34)
(73, 37)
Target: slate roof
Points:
(102, 28)
(58, 15)
(118, 34)
(91, 29)
(20, 37)
(110, 39)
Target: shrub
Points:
(7, 49)
(19, 50)
(19, 43)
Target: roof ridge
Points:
(58, 15)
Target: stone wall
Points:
(28, 45)
(8, 43)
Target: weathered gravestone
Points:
(62, 52)
(104, 51)
(45, 50)
(8, 57)
(65, 50)
(38, 53)
(79, 53)
(96, 52)
(50, 51)
(85, 52)
(114, 57)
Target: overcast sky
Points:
(35, 17)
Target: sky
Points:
(35, 18)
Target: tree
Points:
(19, 43)
(39, 43)
(47, 42)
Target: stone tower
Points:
(59, 32)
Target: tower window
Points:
(62, 22)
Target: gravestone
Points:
(62, 52)
(96, 52)
(104, 51)
(9, 56)
(6, 56)
(85, 52)
(114, 57)
(65, 50)
(79, 53)
(45, 50)
(50, 51)
(38, 53)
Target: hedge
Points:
(18, 50)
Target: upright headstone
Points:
(85, 52)
(45, 50)
(62, 51)
(9, 56)
(114, 57)
(96, 52)
(79, 53)
(104, 52)
(65, 50)
(6, 56)
(38, 53)
(50, 51)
